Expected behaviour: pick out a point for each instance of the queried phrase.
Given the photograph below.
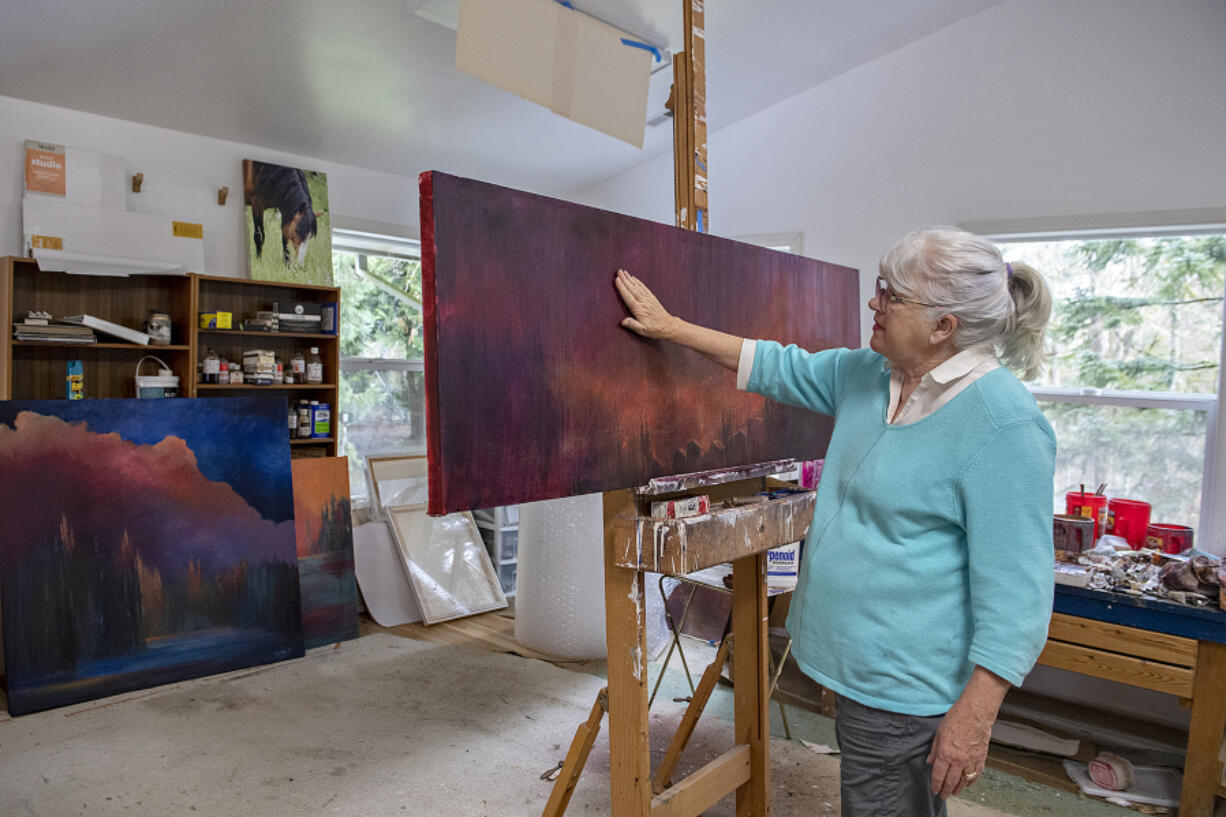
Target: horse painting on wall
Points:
(289, 233)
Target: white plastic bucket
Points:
(163, 384)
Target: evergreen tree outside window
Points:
(382, 385)
(1132, 387)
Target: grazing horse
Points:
(284, 189)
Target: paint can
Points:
(1129, 519)
(1088, 506)
(321, 420)
(1169, 538)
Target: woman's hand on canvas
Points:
(648, 317)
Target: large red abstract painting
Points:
(533, 389)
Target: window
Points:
(1132, 389)
(382, 386)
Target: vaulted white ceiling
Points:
(368, 83)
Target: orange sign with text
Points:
(46, 167)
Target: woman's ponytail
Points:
(1022, 344)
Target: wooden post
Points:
(1203, 768)
(696, 51)
(629, 758)
(688, 102)
(749, 680)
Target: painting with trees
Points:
(324, 528)
(147, 541)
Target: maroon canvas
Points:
(533, 389)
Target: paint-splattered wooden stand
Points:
(635, 544)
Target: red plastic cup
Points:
(1088, 506)
(1169, 538)
(1129, 518)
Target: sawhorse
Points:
(636, 544)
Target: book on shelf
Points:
(114, 329)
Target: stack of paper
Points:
(44, 333)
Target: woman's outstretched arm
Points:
(649, 318)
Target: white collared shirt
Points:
(935, 389)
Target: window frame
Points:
(363, 242)
(1211, 532)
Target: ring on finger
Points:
(969, 777)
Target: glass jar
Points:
(211, 367)
(314, 367)
(297, 365)
(158, 328)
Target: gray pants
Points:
(883, 768)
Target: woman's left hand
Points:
(959, 750)
(960, 746)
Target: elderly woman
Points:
(926, 584)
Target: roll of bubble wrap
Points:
(559, 592)
(559, 595)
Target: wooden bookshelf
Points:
(36, 370)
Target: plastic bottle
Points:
(223, 371)
(278, 372)
(314, 367)
(212, 366)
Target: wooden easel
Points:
(634, 544)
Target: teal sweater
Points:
(931, 544)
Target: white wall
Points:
(1031, 108)
(182, 175)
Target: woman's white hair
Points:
(964, 275)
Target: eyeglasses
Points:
(892, 298)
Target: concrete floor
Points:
(389, 726)
(996, 790)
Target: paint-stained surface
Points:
(323, 524)
(146, 541)
(534, 390)
(676, 547)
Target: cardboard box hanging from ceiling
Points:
(573, 64)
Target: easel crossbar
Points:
(705, 787)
